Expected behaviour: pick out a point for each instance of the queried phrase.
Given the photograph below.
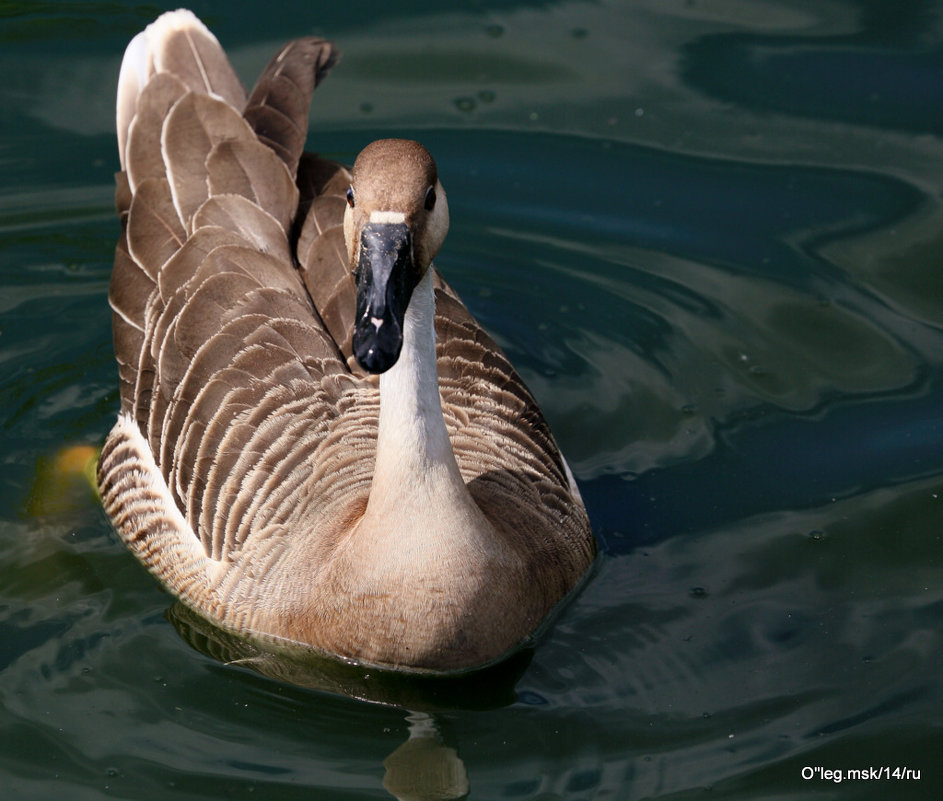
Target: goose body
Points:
(318, 444)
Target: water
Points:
(708, 234)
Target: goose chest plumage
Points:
(318, 445)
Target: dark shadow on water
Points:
(488, 688)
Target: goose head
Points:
(395, 222)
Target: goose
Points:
(318, 445)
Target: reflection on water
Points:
(708, 234)
(424, 768)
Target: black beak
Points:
(386, 276)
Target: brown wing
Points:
(224, 362)
(502, 443)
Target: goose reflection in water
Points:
(425, 767)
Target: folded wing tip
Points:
(145, 55)
(173, 21)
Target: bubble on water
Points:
(465, 104)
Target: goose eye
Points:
(350, 196)
(430, 198)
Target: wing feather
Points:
(182, 266)
(250, 169)
(243, 217)
(144, 157)
(194, 126)
(155, 232)
(278, 107)
(322, 252)
(128, 294)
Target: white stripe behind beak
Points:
(387, 217)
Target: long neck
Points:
(421, 526)
(414, 453)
